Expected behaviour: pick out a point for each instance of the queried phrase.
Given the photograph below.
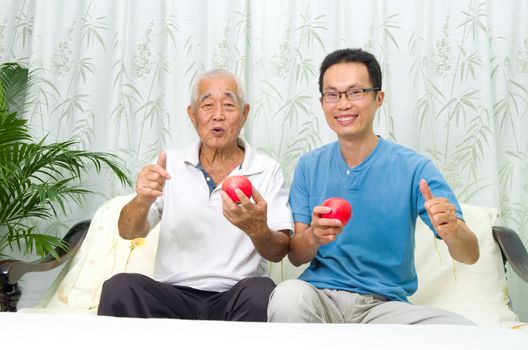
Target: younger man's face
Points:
(350, 119)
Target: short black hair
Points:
(351, 56)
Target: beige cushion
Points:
(102, 255)
(478, 292)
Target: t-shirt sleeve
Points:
(439, 188)
(299, 195)
(276, 196)
(155, 211)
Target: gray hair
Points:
(212, 74)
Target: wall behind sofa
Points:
(115, 76)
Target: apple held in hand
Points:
(237, 181)
(341, 209)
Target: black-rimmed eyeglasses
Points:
(351, 94)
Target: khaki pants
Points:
(298, 301)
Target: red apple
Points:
(341, 209)
(237, 181)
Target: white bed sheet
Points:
(60, 331)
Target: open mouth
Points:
(218, 131)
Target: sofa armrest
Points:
(512, 250)
(12, 270)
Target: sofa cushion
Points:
(103, 254)
(479, 291)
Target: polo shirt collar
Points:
(250, 165)
(376, 153)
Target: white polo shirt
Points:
(198, 247)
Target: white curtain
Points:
(115, 76)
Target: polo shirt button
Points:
(348, 172)
(208, 178)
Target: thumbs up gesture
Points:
(441, 213)
(151, 180)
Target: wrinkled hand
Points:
(250, 217)
(324, 231)
(441, 213)
(151, 180)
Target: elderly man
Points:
(212, 256)
(364, 271)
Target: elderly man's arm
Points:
(271, 245)
(151, 179)
(133, 221)
(252, 219)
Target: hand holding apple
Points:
(249, 216)
(324, 231)
(340, 209)
(237, 181)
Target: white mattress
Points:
(57, 331)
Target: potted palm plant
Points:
(38, 179)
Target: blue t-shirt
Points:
(374, 254)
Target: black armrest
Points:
(15, 269)
(513, 250)
(12, 270)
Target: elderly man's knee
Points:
(117, 285)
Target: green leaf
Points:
(39, 180)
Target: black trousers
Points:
(136, 295)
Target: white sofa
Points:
(478, 292)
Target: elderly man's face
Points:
(218, 116)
